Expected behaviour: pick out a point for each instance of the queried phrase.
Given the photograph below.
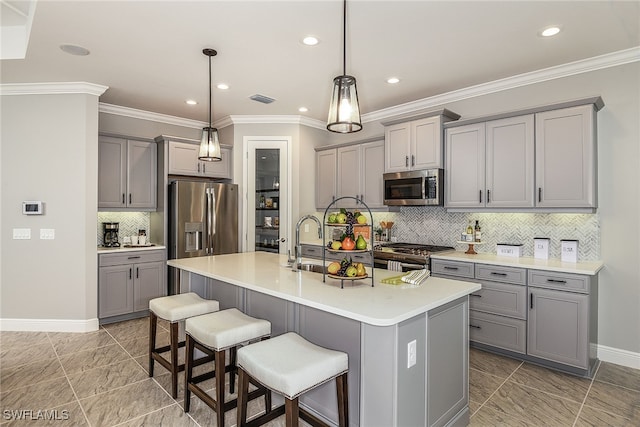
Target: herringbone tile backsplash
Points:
(130, 223)
(434, 225)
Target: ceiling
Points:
(149, 53)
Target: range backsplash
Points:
(130, 223)
(434, 225)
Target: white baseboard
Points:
(619, 357)
(49, 325)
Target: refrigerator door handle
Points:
(208, 231)
(212, 221)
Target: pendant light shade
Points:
(210, 143)
(344, 110)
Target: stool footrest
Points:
(228, 405)
(167, 348)
(266, 417)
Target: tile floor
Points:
(100, 379)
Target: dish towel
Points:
(416, 277)
(394, 265)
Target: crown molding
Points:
(569, 69)
(52, 88)
(279, 119)
(149, 115)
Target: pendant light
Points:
(210, 144)
(344, 111)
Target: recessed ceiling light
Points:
(223, 86)
(310, 41)
(550, 31)
(74, 50)
(191, 102)
(303, 109)
(393, 80)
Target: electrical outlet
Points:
(47, 233)
(411, 354)
(21, 233)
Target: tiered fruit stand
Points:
(332, 207)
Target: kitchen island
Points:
(407, 346)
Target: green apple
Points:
(341, 218)
(332, 219)
(351, 271)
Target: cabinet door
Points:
(183, 159)
(426, 143)
(566, 158)
(221, 169)
(558, 327)
(372, 169)
(465, 166)
(397, 147)
(348, 179)
(326, 175)
(148, 284)
(141, 176)
(112, 160)
(510, 162)
(115, 290)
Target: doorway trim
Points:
(247, 185)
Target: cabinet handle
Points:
(474, 326)
(539, 194)
(476, 295)
(130, 272)
(311, 250)
(488, 196)
(406, 160)
(480, 195)
(198, 167)
(531, 300)
(123, 198)
(137, 272)
(413, 160)
(204, 168)
(557, 281)
(129, 198)
(133, 257)
(493, 273)
(446, 267)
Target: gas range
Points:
(410, 255)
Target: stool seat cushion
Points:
(226, 328)
(291, 365)
(182, 306)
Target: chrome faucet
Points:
(298, 248)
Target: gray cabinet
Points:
(127, 170)
(183, 160)
(127, 281)
(326, 177)
(548, 317)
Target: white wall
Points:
(50, 153)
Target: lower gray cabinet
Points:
(128, 280)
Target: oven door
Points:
(406, 266)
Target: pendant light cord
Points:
(344, 38)
(210, 108)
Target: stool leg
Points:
(174, 359)
(292, 413)
(219, 371)
(188, 371)
(153, 323)
(243, 395)
(343, 400)
(234, 369)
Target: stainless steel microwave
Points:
(414, 188)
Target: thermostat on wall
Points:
(32, 207)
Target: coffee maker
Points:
(110, 234)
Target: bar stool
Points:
(174, 308)
(290, 365)
(213, 334)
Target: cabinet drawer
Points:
(133, 257)
(498, 331)
(312, 251)
(517, 276)
(559, 281)
(453, 268)
(499, 298)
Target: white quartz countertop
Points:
(102, 250)
(381, 305)
(586, 267)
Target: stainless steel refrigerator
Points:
(203, 220)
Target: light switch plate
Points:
(47, 233)
(21, 233)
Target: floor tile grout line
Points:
(144, 415)
(500, 386)
(69, 381)
(586, 395)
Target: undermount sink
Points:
(315, 268)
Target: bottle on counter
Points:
(477, 232)
(262, 201)
(469, 232)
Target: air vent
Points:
(262, 98)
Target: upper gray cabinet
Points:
(126, 174)
(183, 160)
(415, 144)
(544, 159)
